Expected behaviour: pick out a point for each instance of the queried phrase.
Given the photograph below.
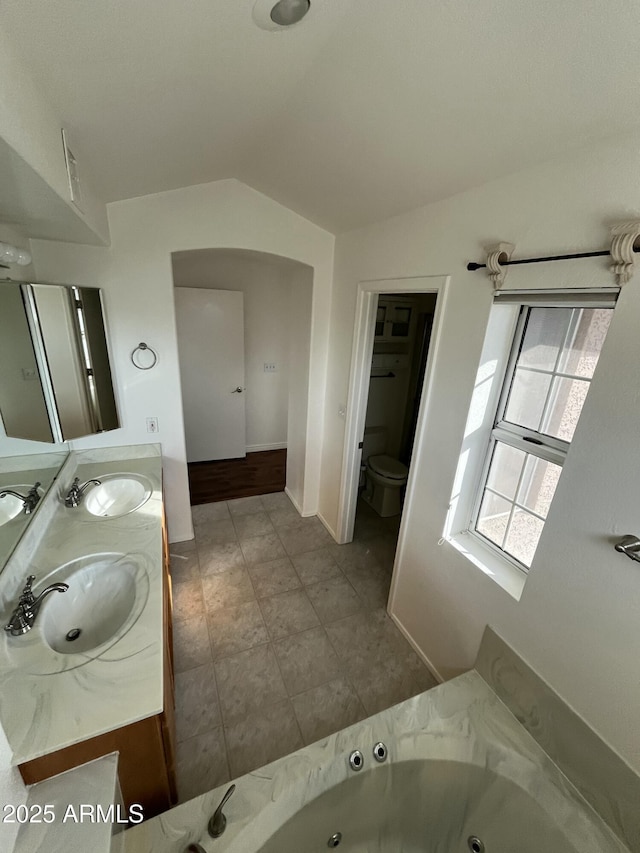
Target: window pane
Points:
(527, 398)
(582, 349)
(544, 336)
(493, 517)
(522, 538)
(538, 485)
(566, 402)
(505, 469)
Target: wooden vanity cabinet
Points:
(146, 764)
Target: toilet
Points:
(384, 475)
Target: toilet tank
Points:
(375, 441)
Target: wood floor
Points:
(225, 479)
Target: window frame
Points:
(527, 440)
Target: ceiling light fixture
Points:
(12, 255)
(288, 12)
(280, 15)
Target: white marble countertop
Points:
(50, 700)
(72, 831)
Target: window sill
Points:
(506, 575)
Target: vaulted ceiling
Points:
(364, 110)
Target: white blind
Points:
(584, 297)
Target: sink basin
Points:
(98, 603)
(118, 494)
(11, 507)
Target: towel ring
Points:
(142, 347)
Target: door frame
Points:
(362, 353)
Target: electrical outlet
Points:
(269, 367)
(152, 425)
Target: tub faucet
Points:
(218, 822)
(76, 492)
(29, 501)
(24, 616)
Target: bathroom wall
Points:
(137, 279)
(30, 126)
(577, 620)
(265, 282)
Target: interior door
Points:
(210, 327)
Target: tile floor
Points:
(280, 635)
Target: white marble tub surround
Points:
(455, 724)
(95, 783)
(50, 700)
(603, 778)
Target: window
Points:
(553, 359)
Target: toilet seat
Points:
(387, 466)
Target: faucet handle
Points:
(28, 585)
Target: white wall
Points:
(265, 283)
(303, 400)
(577, 620)
(136, 276)
(31, 127)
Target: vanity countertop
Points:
(48, 700)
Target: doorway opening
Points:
(244, 327)
(394, 346)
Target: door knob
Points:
(238, 390)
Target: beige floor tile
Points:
(288, 613)
(333, 599)
(215, 533)
(191, 643)
(307, 535)
(187, 600)
(197, 708)
(315, 566)
(245, 506)
(306, 660)
(262, 738)
(261, 549)
(372, 584)
(235, 629)
(248, 682)
(220, 558)
(392, 680)
(202, 513)
(255, 524)
(273, 577)
(184, 567)
(276, 501)
(182, 547)
(354, 555)
(365, 639)
(329, 708)
(227, 589)
(201, 764)
(285, 517)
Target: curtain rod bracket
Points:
(497, 256)
(624, 239)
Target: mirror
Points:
(20, 474)
(55, 376)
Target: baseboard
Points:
(425, 660)
(297, 505)
(259, 448)
(327, 525)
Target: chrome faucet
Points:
(29, 501)
(24, 616)
(218, 822)
(76, 492)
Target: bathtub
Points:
(460, 775)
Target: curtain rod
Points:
(473, 266)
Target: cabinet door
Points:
(381, 318)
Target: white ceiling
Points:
(364, 110)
